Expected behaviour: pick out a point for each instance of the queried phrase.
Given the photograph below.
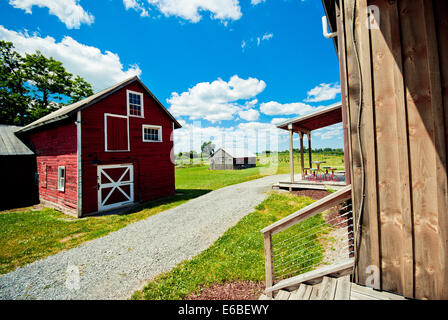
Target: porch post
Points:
(291, 155)
(309, 149)
(302, 160)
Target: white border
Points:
(109, 185)
(127, 103)
(62, 189)
(150, 126)
(105, 132)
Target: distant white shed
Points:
(232, 159)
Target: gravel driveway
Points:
(116, 265)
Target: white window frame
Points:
(128, 103)
(61, 186)
(150, 126)
(105, 132)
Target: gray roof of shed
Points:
(10, 145)
(69, 110)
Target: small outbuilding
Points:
(108, 151)
(17, 170)
(232, 159)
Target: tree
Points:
(207, 148)
(13, 98)
(80, 89)
(34, 85)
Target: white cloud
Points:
(323, 92)
(329, 132)
(254, 136)
(256, 41)
(191, 10)
(100, 69)
(255, 2)
(267, 36)
(249, 115)
(137, 5)
(69, 12)
(217, 100)
(298, 108)
(276, 121)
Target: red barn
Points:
(110, 150)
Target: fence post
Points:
(268, 263)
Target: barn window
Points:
(135, 104)
(152, 133)
(116, 133)
(61, 178)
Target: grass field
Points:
(26, 236)
(237, 255)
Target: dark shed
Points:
(17, 170)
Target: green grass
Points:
(237, 255)
(26, 236)
(31, 235)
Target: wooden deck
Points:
(300, 183)
(333, 289)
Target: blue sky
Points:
(222, 67)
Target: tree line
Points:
(32, 86)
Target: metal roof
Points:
(10, 145)
(316, 120)
(238, 152)
(69, 110)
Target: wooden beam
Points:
(291, 157)
(315, 274)
(302, 160)
(309, 150)
(268, 262)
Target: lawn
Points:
(238, 255)
(26, 236)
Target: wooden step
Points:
(315, 274)
(282, 295)
(343, 288)
(264, 297)
(361, 291)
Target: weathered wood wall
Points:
(403, 132)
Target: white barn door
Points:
(115, 186)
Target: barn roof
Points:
(67, 111)
(316, 120)
(239, 152)
(10, 145)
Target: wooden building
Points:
(304, 126)
(17, 171)
(393, 59)
(105, 152)
(232, 159)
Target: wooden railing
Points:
(315, 208)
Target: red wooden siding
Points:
(57, 147)
(153, 168)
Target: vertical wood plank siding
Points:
(153, 168)
(403, 129)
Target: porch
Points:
(315, 174)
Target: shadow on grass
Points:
(170, 202)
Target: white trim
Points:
(79, 164)
(115, 185)
(150, 126)
(127, 103)
(61, 188)
(105, 132)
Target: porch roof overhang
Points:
(316, 120)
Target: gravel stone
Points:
(118, 264)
